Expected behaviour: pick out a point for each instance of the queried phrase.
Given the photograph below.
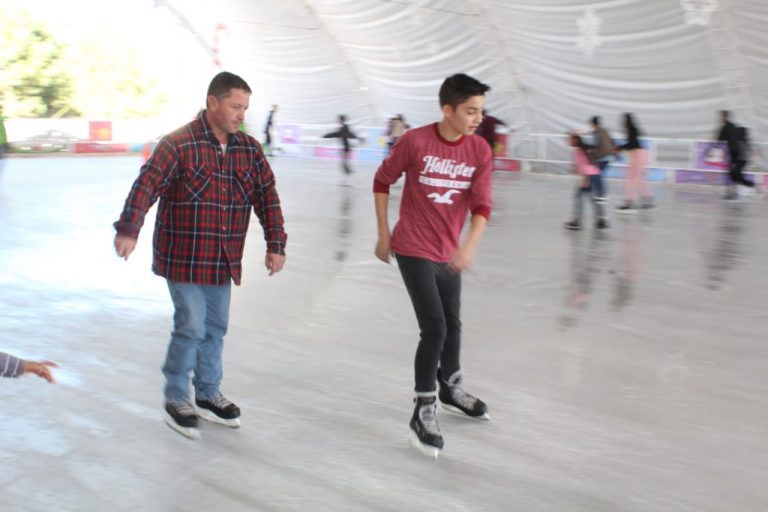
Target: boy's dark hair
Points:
(225, 82)
(459, 88)
(596, 120)
(725, 114)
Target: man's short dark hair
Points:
(725, 114)
(459, 88)
(223, 83)
(596, 120)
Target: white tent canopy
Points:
(552, 64)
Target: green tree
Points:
(34, 80)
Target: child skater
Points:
(447, 175)
(589, 184)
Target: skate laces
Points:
(219, 401)
(462, 398)
(183, 408)
(428, 417)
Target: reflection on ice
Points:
(614, 363)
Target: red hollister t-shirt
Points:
(443, 181)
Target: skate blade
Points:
(210, 416)
(456, 410)
(430, 451)
(188, 432)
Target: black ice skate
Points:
(219, 410)
(425, 432)
(182, 418)
(455, 399)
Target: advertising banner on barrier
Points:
(712, 156)
(700, 177)
(100, 131)
(501, 145)
(288, 133)
(506, 164)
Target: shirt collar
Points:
(205, 129)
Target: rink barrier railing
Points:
(672, 160)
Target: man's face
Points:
(228, 113)
(466, 117)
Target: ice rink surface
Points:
(625, 370)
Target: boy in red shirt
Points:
(447, 174)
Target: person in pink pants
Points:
(636, 189)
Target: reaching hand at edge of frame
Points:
(41, 369)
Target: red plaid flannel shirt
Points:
(205, 200)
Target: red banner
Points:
(100, 131)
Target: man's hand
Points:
(41, 369)
(124, 245)
(274, 262)
(383, 248)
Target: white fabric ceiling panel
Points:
(551, 64)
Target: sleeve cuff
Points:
(485, 211)
(379, 187)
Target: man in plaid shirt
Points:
(207, 175)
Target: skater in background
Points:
(397, 127)
(589, 185)
(636, 189)
(11, 366)
(601, 153)
(487, 129)
(448, 174)
(737, 141)
(206, 196)
(345, 134)
(268, 127)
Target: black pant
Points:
(736, 175)
(435, 293)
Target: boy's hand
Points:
(461, 260)
(383, 248)
(41, 369)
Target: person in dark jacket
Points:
(601, 152)
(487, 129)
(735, 137)
(345, 134)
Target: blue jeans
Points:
(591, 189)
(200, 320)
(601, 187)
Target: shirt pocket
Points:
(245, 185)
(195, 183)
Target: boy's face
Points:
(466, 117)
